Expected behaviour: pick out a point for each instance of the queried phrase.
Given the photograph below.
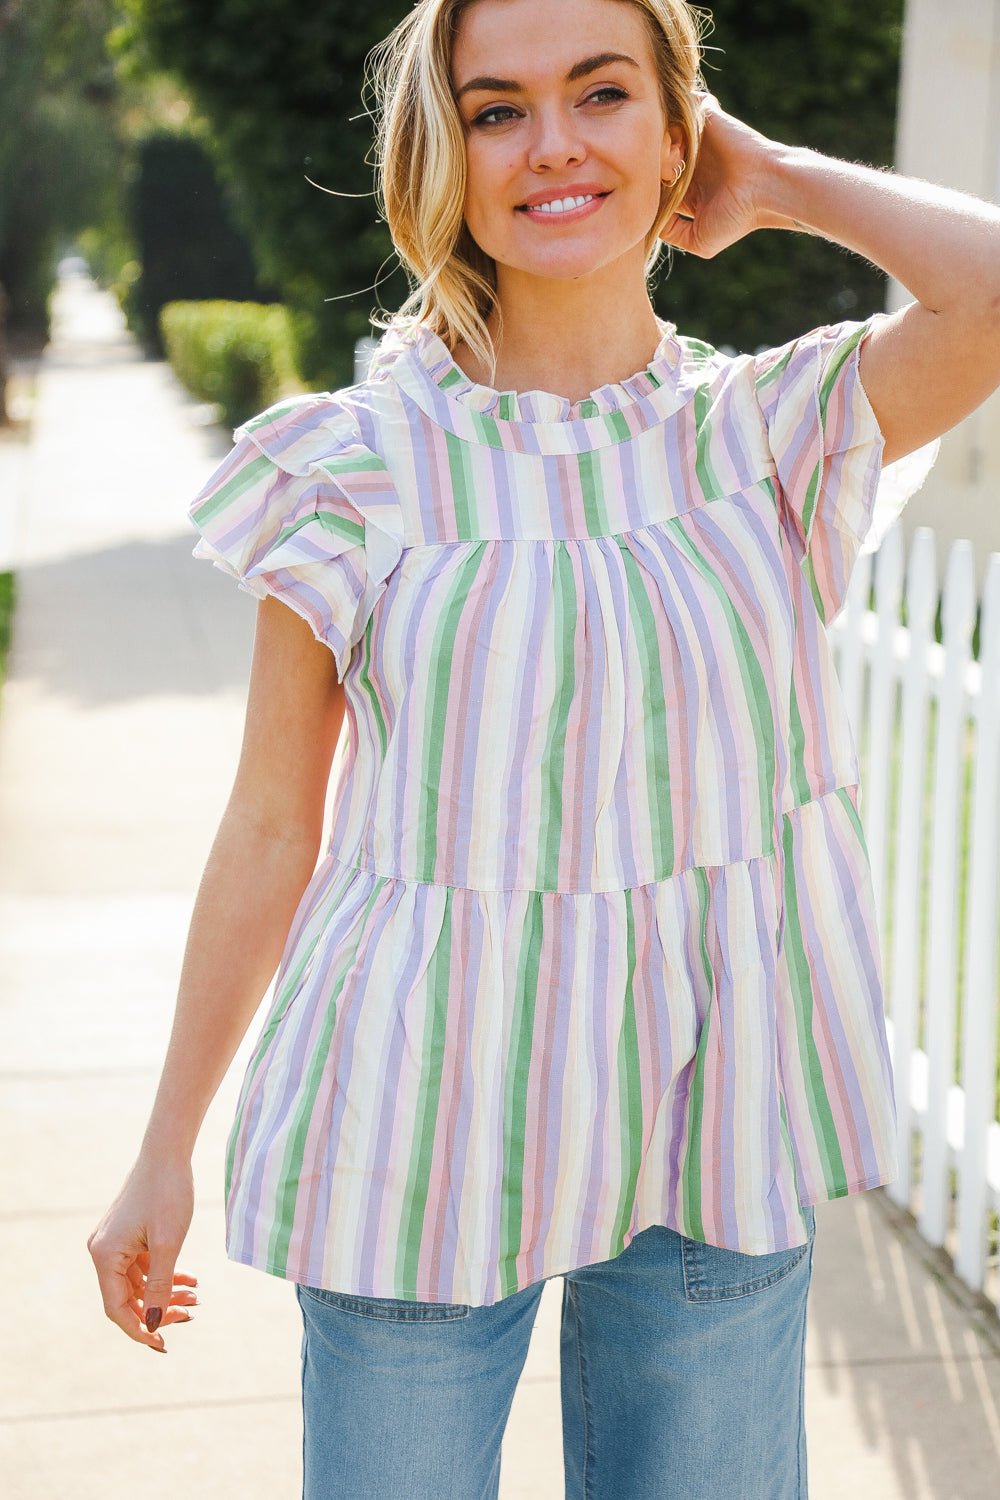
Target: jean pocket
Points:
(713, 1273)
(397, 1309)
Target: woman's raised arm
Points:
(261, 860)
(932, 362)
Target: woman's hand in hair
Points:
(725, 198)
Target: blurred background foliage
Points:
(237, 355)
(59, 155)
(172, 143)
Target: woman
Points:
(587, 982)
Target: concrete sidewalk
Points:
(119, 733)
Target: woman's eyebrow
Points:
(578, 70)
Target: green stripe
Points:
(594, 508)
(245, 478)
(700, 352)
(656, 740)
(835, 365)
(751, 675)
(773, 374)
(441, 652)
(290, 1173)
(282, 1000)
(629, 1093)
(356, 460)
(339, 526)
(843, 796)
(461, 489)
(552, 773)
(691, 1180)
(428, 1104)
(834, 1173)
(486, 429)
(366, 685)
(515, 1104)
(703, 437)
(786, 1137)
(809, 501)
(273, 413)
(617, 426)
(798, 774)
(814, 588)
(838, 359)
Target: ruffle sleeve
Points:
(302, 509)
(837, 498)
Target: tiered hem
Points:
(451, 1080)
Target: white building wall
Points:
(948, 131)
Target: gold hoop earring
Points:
(678, 173)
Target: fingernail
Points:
(153, 1316)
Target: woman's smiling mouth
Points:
(561, 209)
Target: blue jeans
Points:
(682, 1378)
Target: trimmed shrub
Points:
(8, 599)
(236, 354)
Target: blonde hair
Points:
(421, 169)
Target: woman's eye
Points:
(615, 94)
(610, 89)
(484, 118)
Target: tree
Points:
(185, 244)
(59, 153)
(285, 105)
(58, 146)
(818, 73)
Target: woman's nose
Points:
(555, 139)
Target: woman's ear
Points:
(672, 152)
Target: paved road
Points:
(119, 732)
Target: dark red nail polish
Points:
(153, 1316)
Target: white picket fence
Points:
(926, 717)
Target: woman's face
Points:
(560, 99)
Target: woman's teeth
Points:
(559, 205)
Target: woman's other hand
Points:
(725, 199)
(135, 1248)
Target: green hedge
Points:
(8, 591)
(237, 354)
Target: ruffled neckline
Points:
(533, 420)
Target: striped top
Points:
(592, 942)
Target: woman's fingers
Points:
(182, 1294)
(124, 1301)
(179, 1296)
(679, 232)
(140, 1267)
(116, 1293)
(173, 1314)
(141, 1264)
